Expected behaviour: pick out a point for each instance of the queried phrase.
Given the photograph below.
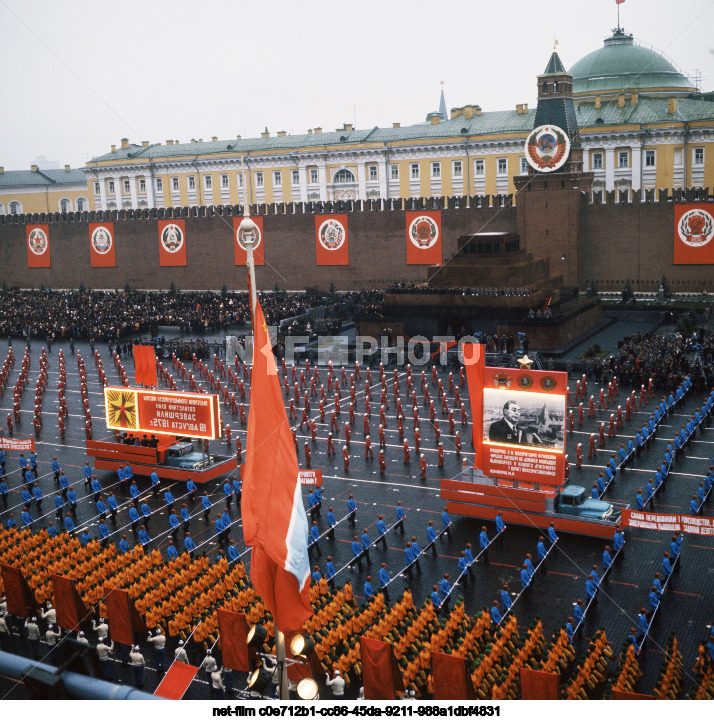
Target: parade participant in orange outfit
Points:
(348, 433)
(422, 465)
(591, 446)
(579, 391)
(437, 431)
(611, 392)
(330, 445)
(294, 432)
(452, 423)
(308, 455)
(567, 394)
(628, 409)
(368, 454)
(333, 420)
(407, 453)
(464, 416)
(382, 461)
(304, 421)
(292, 412)
(643, 396)
(365, 424)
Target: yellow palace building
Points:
(643, 125)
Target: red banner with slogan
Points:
(178, 678)
(172, 413)
(18, 594)
(331, 242)
(539, 685)
(451, 677)
(17, 444)
(693, 234)
(172, 242)
(524, 424)
(311, 477)
(38, 246)
(70, 607)
(423, 237)
(475, 362)
(239, 252)
(234, 643)
(101, 245)
(381, 676)
(655, 521)
(144, 365)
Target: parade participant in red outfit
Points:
(611, 433)
(348, 432)
(579, 456)
(571, 422)
(422, 465)
(292, 411)
(452, 422)
(602, 402)
(620, 423)
(330, 445)
(567, 394)
(334, 426)
(304, 420)
(628, 409)
(365, 424)
(441, 455)
(591, 446)
(643, 396)
(591, 407)
(308, 455)
(239, 449)
(368, 454)
(346, 458)
(601, 439)
(464, 416)
(417, 440)
(382, 461)
(228, 434)
(313, 431)
(382, 437)
(407, 453)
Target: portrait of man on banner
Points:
(526, 419)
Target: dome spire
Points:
(442, 104)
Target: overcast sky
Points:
(79, 75)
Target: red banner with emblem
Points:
(172, 242)
(693, 234)
(38, 246)
(423, 237)
(101, 245)
(239, 252)
(331, 246)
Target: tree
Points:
(627, 294)
(172, 288)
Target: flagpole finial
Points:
(555, 44)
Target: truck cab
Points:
(183, 455)
(575, 501)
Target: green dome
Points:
(622, 65)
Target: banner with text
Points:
(101, 245)
(524, 424)
(17, 444)
(670, 522)
(240, 253)
(38, 246)
(423, 237)
(693, 235)
(172, 242)
(331, 242)
(182, 414)
(311, 477)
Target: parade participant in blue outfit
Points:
(134, 516)
(55, 468)
(69, 523)
(352, 508)
(643, 625)
(640, 501)
(483, 543)
(124, 545)
(96, 488)
(314, 536)
(232, 552)
(495, 614)
(332, 522)
(206, 503)
(445, 591)
(26, 518)
(569, 628)
(542, 553)
(170, 500)
(146, 512)
(237, 489)
(368, 588)
(590, 590)
(174, 524)
(553, 537)
(525, 577)
(72, 498)
(366, 543)
(39, 496)
(400, 517)
(463, 566)
(188, 544)
(384, 580)
(112, 505)
(653, 600)
(228, 493)
(436, 598)
(103, 532)
(11, 522)
(316, 575)
(51, 530)
(506, 602)
(59, 505)
(431, 537)
(356, 552)
(87, 474)
(447, 522)
(144, 537)
(185, 517)
(330, 574)
(311, 505)
(3, 490)
(694, 506)
(675, 549)
(84, 537)
(226, 518)
(155, 483)
(26, 497)
(606, 560)
(134, 490)
(191, 490)
(101, 507)
(63, 483)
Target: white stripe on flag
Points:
(296, 559)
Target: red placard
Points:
(423, 237)
(539, 685)
(176, 681)
(38, 246)
(331, 242)
(181, 414)
(172, 242)
(17, 444)
(311, 477)
(669, 522)
(101, 245)
(693, 234)
(524, 424)
(239, 252)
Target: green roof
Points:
(18, 178)
(622, 65)
(503, 121)
(647, 110)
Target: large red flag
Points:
(274, 520)
(234, 645)
(451, 677)
(331, 240)
(101, 245)
(381, 676)
(172, 242)
(69, 605)
(38, 246)
(693, 234)
(475, 362)
(240, 254)
(423, 237)
(145, 365)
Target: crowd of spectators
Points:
(410, 288)
(103, 316)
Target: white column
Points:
(636, 151)
(609, 168)
(102, 193)
(382, 171)
(322, 178)
(586, 159)
(132, 191)
(362, 180)
(302, 172)
(150, 190)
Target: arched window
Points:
(15, 207)
(82, 204)
(65, 205)
(344, 176)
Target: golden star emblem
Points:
(525, 363)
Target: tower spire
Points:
(442, 104)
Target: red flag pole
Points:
(248, 233)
